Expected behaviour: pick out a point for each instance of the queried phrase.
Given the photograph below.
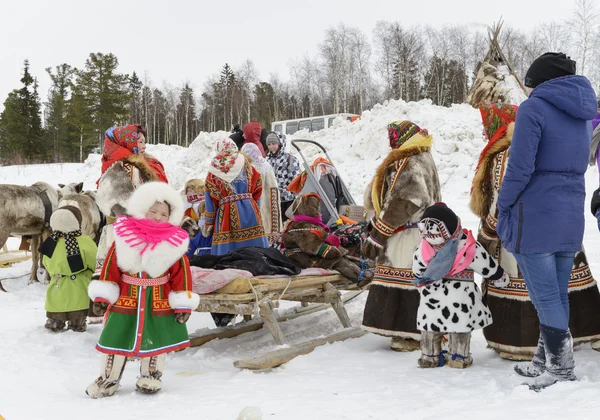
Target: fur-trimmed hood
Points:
(197, 186)
(154, 261)
(481, 198)
(149, 193)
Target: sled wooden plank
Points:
(11, 260)
(208, 334)
(278, 357)
(338, 306)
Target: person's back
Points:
(541, 203)
(551, 142)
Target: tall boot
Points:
(537, 366)
(431, 349)
(78, 324)
(54, 325)
(560, 363)
(151, 370)
(459, 345)
(107, 383)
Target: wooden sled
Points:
(315, 293)
(8, 258)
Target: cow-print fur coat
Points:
(451, 306)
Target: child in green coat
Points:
(70, 258)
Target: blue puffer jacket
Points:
(541, 202)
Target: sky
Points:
(175, 41)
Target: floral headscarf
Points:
(227, 163)
(496, 119)
(120, 142)
(401, 131)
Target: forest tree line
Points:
(349, 72)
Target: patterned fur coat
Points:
(405, 184)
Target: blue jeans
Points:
(547, 279)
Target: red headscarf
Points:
(120, 142)
(496, 118)
(252, 135)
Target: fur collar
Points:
(146, 171)
(481, 198)
(154, 262)
(414, 146)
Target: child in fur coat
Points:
(146, 281)
(444, 264)
(70, 258)
(195, 209)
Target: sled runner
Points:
(315, 289)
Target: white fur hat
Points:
(149, 193)
(66, 219)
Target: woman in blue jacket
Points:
(541, 203)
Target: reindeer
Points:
(26, 211)
(90, 212)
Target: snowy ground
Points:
(44, 375)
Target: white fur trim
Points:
(154, 262)
(104, 290)
(64, 220)
(149, 193)
(181, 300)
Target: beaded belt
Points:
(136, 281)
(235, 197)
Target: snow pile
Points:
(355, 148)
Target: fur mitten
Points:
(182, 317)
(207, 230)
(99, 308)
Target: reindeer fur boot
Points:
(78, 324)
(54, 325)
(108, 381)
(431, 349)
(151, 370)
(459, 345)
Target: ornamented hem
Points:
(389, 333)
(142, 353)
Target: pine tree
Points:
(21, 123)
(226, 89)
(264, 103)
(106, 90)
(135, 102)
(187, 114)
(57, 128)
(13, 129)
(80, 122)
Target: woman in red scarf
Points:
(125, 166)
